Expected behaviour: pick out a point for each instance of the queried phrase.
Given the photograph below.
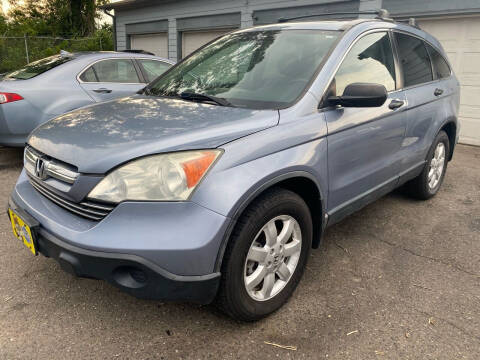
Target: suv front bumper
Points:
(164, 251)
(130, 273)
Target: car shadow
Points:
(10, 157)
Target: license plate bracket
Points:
(24, 228)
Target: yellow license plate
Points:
(22, 231)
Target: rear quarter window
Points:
(440, 65)
(89, 76)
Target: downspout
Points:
(114, 20)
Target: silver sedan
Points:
(55, 85)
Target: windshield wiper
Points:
(203, 97)
(145, 91)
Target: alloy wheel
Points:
(272, 258)
(436, 166)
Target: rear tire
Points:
(262, 265)
(427, 184)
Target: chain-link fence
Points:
(16, 51)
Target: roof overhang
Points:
(132, 4)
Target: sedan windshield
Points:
(38, 67)
(253, 69)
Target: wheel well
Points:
(303, 186)
(309, 192)
(451, 130)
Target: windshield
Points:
(38, 67)
(259, 70)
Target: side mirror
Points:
(360, 95)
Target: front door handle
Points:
(103, 91)
(438, 92)
(396, 103)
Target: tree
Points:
(54, 20)
(3, 24)
(68, 18)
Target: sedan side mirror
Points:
(360, 95)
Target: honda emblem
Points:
(40, 169)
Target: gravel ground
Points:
(398, 280)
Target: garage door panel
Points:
(473, 29)
(468, 80)
(448, 45)
(440, 30)
(470, 95)
(469, 111)
(471, 63)
(154, 43)
(473, 45)
(192, 40)
(470, 128)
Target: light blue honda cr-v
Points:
(215, 182)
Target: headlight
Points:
(167, 177)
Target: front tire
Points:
(266, 255)
(427, 184)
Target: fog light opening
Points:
(130, 276)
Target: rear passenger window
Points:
(414, 60)
(440, 66)
(116, 71)
(369, 61)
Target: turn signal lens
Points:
(194, 169)
(9, 97)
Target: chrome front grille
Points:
(40, 167)
(87, 209)
(43, 167)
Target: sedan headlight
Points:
(164, 177)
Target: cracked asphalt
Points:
(398, 280)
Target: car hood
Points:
(99, 137)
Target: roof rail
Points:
(411, 21)
(138, 52)
(381, 14)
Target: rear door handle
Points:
(438, 92)
(396, 103)
(103, 91)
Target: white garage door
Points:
(461, 39)
(154, 43)
(192, 40)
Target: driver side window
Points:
(370, 60)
